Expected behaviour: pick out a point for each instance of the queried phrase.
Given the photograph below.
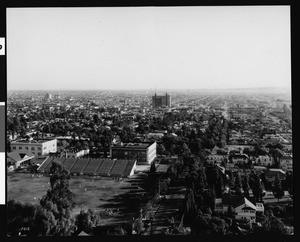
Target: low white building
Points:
(77, 153)
(239, 158)
(156, 135)
(37, 147)
(264, 160)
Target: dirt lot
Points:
(121, 196)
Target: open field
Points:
(90, 193)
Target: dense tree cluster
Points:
(54, 214)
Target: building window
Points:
(26, 148)
(14, 148)
(32, 148)
(39, 148)
(39, 153)
(20, 148)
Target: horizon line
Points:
(153, 89)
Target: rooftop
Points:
(142, 145)
(37, 141)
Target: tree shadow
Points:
(126, 206)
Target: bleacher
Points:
(102, 167)
(47, 170)
(105, 167)
(45, 164)
(69, 162)
(80, 165)
(92, 167)
(128, 168)
(119, 168)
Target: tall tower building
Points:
(48, 97)
(161, 101)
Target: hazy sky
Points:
(148, 47)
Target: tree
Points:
(277, 189)
(276, 154)
(87, 220)
(160, 149)
(185, 150)
(207, 224)
(209, 143)
(138, 225)
(200, 225)
(58, 202)
(218, 226)
(190, 202)
(246, 186)
(45, 222)
(47, 128)
(152, 167)
(169, 141)
(19, 215)
(96, 119)
(209, 198)
(201, 182)
(256, 187)
(289, 183)
(274, 225)
(195, 146)
(238, 183)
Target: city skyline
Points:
(152, 48)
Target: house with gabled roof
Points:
(242, 207)
(245, 210)
(16, 158)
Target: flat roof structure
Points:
(35, 141)
(142, 145)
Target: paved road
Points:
(167, 209)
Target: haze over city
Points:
(148, 48)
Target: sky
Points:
(148, 48)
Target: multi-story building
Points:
(38, 147)
(48, 97)
(144, 152)
(161, 101)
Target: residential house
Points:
(242, 207)
(286, 162)
(239, 158)
(271, 174)
(215, 159)
(155, 135)
(264, 160)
